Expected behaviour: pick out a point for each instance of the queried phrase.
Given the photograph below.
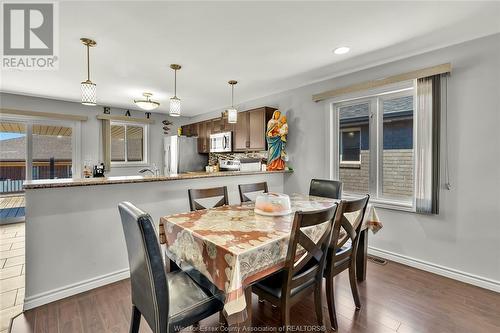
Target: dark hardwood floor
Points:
(395, 298)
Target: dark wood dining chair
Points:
(250, 188)
(326, 188)
(167, 301)
(196, 194)
(343, 250)
(304, 274)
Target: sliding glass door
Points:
(52, 151)
(35, 149)
(12, 156)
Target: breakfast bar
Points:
(82, 215)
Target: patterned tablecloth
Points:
(232, 246)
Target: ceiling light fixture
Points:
(175, 102)
(146, 104)
(341, 50)
(232, 113)
(88, 87)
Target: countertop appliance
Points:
(250, 164)
(229, 165)
(181, 155)
(221, 142)
(99, 170)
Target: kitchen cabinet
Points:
(202, 138)
(185, 130)
(240, 134)
(257, 129)
(193, 129)
(217, 125)
(250, 130)
(249, 133)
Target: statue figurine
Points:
(277, 130)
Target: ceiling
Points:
(267, 46)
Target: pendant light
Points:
(88, 87)
(146, 104)
(175, 102)
(232, 113)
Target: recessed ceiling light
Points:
(341, 50)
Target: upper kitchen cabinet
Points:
(240, 134)
(190, 130)
(249, 133)
(217, 125)
(250, 130)
(193, 129)
(204, 130)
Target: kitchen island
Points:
(74, 237)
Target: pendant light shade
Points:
(175, 102)
(89, 91)
(175, 107)
(147, 104)
(232, 113)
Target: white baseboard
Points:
(70, 290)
(437, 269)
(73, 289)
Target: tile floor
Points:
(11, 272)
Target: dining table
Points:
(231, 247)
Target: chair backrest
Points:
(196, 194)
(305, 252)
(147, 272)
(250, 188)
(326, 188)
(347, 226)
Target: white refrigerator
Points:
(181, 155)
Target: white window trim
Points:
(332, 106)
(350, 129)
(145, 148)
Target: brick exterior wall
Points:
(397, 174)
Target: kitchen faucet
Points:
(154, 171)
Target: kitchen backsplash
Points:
(213, 158)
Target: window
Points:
(375, 146)
(350, 145)
(128, 143)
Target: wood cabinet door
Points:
(193, 129)
(227, 127)
(240, 134)
(217, 125)
(257, 129)
(208, 131)
(202, 137)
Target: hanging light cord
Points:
(175, 83)
(232, 96)
(88, 63)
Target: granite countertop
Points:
(69, 182)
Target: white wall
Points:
(463, 241)
(91, 129)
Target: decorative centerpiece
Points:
(272, 204)
(277, 130)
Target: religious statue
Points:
(277, 130)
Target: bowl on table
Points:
(272, 204)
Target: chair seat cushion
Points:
(272, 284)
(189, 303)
(343, 249)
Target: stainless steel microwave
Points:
(221, 142)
